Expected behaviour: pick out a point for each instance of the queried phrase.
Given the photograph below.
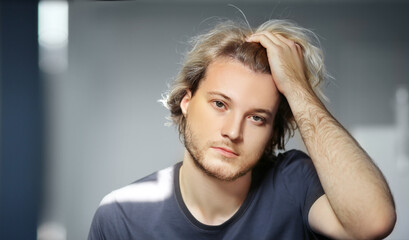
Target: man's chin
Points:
(223, 171)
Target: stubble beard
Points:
(199, 160)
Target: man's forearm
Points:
(356, 189)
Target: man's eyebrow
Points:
(214, 93)
(265, 111)
(256, 110)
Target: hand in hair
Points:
(286, 62)
(354, 186)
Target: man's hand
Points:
(286, 61)
(357, 202)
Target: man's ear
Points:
(184, 104)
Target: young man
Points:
(237, 96)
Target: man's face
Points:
(229, 119)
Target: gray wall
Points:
(106, 128)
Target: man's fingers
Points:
(288, 42)
(273, 42)
(276, 39)
(265, 41)
(292, 45)
(270, 36)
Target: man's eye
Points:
(258, 119)
(218, 104)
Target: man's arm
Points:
(357, 201)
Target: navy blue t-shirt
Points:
(277, 206)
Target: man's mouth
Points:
(227, 152)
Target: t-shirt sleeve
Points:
(105, 222)
(303, 181)
(313, 191)
(95, 232)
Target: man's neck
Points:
(209, 200)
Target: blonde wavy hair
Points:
(228, 39)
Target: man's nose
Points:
(232, 127)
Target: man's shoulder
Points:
(132, 205)
(285, 166)
(295, 170)
(154, 187)
(293, 154)
(293, 159)
(292, 174)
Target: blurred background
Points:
(80, 83)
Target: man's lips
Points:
(225, 151)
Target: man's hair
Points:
(228, 39)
